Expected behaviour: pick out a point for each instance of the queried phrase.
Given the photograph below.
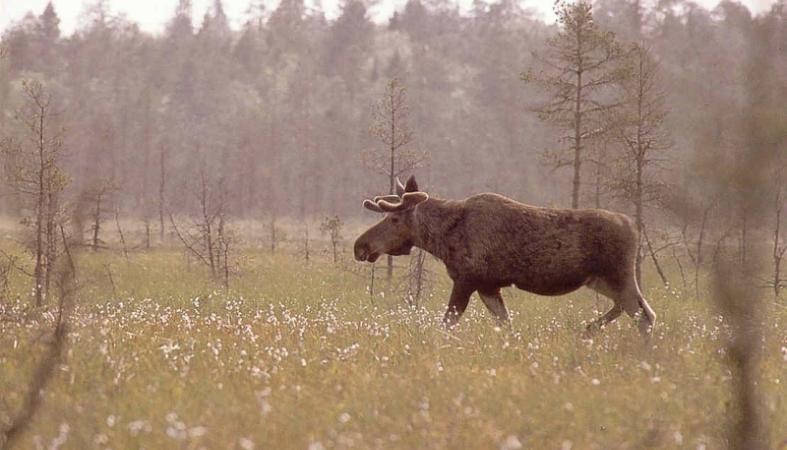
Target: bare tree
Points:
(162, 188)
(34, 174)
(273, 229)
(98, 196)
(390, 115)
(695, 249)
(207, 237)
(122, 235)
(332, 226)
(306, 249)
(779, 248)
(417, 277)
(582, 61)
(639, 128)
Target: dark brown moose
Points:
(488, 241)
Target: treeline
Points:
(277, 115)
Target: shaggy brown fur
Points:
(488, 241)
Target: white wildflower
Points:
(511, 443)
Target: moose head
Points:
(393, 235)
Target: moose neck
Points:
(434, 219)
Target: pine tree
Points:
(581, 62)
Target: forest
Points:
(178, 211)
(289, 96)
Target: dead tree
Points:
(122, 236)
(417, 278)
(695, 249)
(98, 197)
(33, 173)
(272, 228)
(779, 248)
(162, 189)
(653, 252)
(306, 253)
(638, 126)
(332, 226)
(207, 237)
(396, 156)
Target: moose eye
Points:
(394, 219)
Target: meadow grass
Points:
(298, 355)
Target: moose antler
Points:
(408, 200)
(406, 197)
(372, 206)
(388, 198)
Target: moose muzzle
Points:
(363, 252)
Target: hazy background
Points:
(274, 101)
(152, 15)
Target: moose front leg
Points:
(494, 303)
(460, 296)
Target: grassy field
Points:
(297, 355)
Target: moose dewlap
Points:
(488, 241)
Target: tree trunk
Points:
(207, 225)
(38, 271)
(577, 128)
(120, 234)
(640, 154)
(96, 221)
(698, 262)
(778, 252)
(161, 189)
(654, 258)
(273, 233)
(744, 233)
(147, 232)
(51, 235)
(392, 187)
(306, 243)
(577, 159)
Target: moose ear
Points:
(412, 185)
(400, 190)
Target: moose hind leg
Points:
(647, 317)
(603, 287)
(628, 298)
(602, 321)
(460, 297)
(494, 303)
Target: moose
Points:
(488, 241)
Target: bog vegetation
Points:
(299, 355)
(179, 208)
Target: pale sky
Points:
(151, 15)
